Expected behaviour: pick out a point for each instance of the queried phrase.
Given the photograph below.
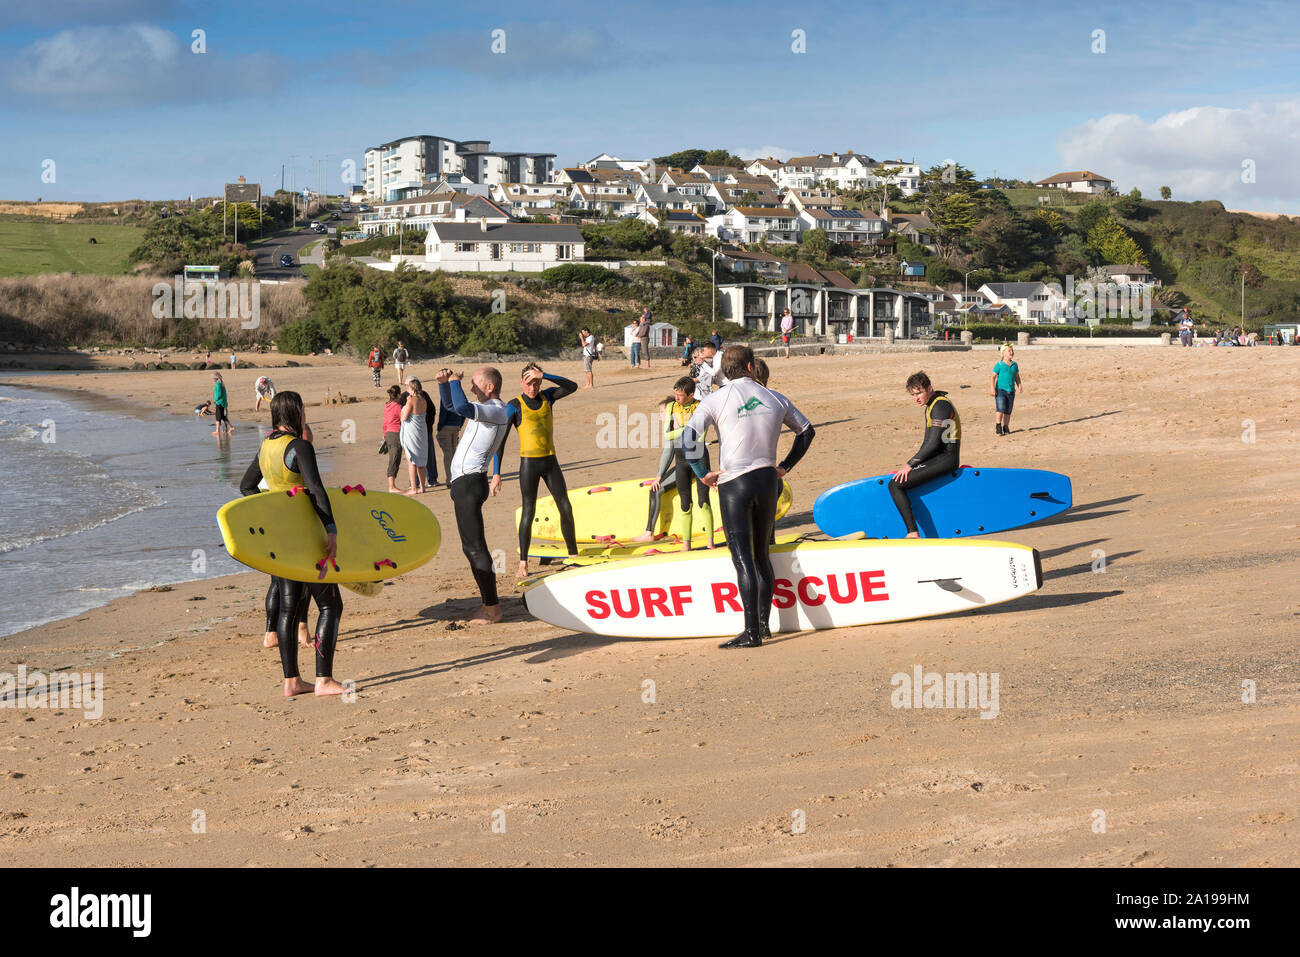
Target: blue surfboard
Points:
(965, 503)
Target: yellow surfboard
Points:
(617, 511)
(380, 535)
(587, 554)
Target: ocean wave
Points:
(10, 545)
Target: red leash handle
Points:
(386, 561)
(354, 488)
(295, 490)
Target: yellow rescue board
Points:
(618, 511)
(604, 553)
(380, 535)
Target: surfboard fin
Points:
(947, 584)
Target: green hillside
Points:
(32, 246)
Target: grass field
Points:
(1028, 198)
(31, 247)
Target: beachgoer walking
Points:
(400, 356)
(376, 362)
(940, 452)
(1185, 328)
(287, 459)
(232, 359)
(748, 418)
(787, 328)
(1004, 383)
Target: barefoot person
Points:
(393, 434)
(221, 403)
(415, 437)
(531, 415)
(271, 639)
(940, 451)
(748, 418)
(487, 421)
(286, 459)
(1004, 383)
(677, 412)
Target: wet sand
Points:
(1121, 685)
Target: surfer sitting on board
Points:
(487, 421)
(748, 418)
(677, 412)
(531, 415)
(940, 451)
(286, 459)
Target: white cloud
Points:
(1198, 153)
(764, 152)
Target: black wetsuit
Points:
(300, 457)
(939, 455)
(542, 468)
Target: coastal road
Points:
(269, 251)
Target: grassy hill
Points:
(31, 246)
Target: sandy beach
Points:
(1122, 737)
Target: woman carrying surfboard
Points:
(531, 416)
(286, 459)
(749, 419)
(940, 451)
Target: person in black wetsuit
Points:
(273, 598)
(530, 415)
(287, 459)
(940, 452)
(749, 419)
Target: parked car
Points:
(286, 260)
(314, 225)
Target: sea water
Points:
(99, 499)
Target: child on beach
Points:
(204, 408)
(221, 405)
(263, 389)
(1003, 385)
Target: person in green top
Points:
(221, 404)
(1004, 383)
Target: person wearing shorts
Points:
(588, 342)
(1003, 385)
(399, 361)
(220, 402)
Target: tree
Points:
(817, 243)
(1254, 278)
(1166, 192)
(1089, 215)
(1112, 242)
(954, 218)
(1129, 204)
(1001, 242)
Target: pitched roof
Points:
(840, 215)
(1075, 176)
(680, 216)
(506, 232)
(800, 273)
(747, 255)
(1128, 269)
(765, 211)
(578, 175)
(1013, 290)
(918, 221)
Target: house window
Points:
(466, 247)
(563, 250)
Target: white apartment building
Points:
(415, 160)
(752, 224)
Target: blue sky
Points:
(1201, 97)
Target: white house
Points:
(727, 195)
(801, 199)
(420, 212)
(604, 199)
(674, 220)
(907, 178)
(480, 247)
(751, 224)
(1033, 302)
(662, 335)
(768, 166)
(1078, 181)
(528, 199)
(1131, 274)
(844, 225)
(654, 196)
